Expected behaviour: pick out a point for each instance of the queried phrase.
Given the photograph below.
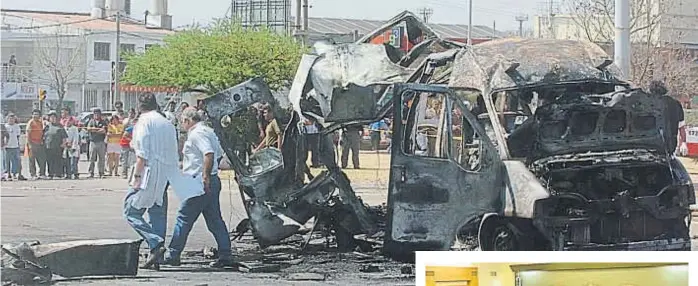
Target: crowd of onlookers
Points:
(53, 144)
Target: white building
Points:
(676, 22)
(80, 45)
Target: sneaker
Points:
(21, 178)
(42, 177)
(92, 176)
(222, 263)
(76, 176)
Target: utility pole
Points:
(551, 14)
(521, 19)
(305, 22)
(494, 29)
(117, 66)
(426, 14)
(622, 41)
(470, 22)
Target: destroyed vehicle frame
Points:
(436, 202)
(276, 197)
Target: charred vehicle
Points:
(508, 145)
(536, 145)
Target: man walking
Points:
(155, 146)
(202, 152)
(97, 128)
(351, 141)
(35, 140)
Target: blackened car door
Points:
(445, 173)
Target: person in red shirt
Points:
(66, 117)
(127, 154)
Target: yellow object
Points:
(616, 275)
(42, 94)
(451, 276)
(115, 132)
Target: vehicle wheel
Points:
(504, 239)
(499, 235)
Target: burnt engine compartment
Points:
(613, 204)
(599, 183)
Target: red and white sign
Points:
(138, 88)
(691, 140)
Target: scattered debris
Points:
(406, 269)
(256, 267)
(22, 267)
(307, 277)
(371, 268)
(210, 252)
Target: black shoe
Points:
(172, 261)
(153, 259)
(222, 263)
(21, 178)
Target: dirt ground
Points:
(63, 210)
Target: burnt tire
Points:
(505, 234)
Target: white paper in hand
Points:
(144, 178)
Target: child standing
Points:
(72, 150)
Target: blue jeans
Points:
(12, 160)
(71, 165)
(154, 232)
(209, 205)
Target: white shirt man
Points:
(13, 131)
(154, 141)
(201, 153)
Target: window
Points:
(465, 142)
(102, 51)
(149, 46)
(425, 135)
(128, 48)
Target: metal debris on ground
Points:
(371, 268)
(210, 252)
(21, 267)
(307, 277)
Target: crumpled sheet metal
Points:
(90, 257)
(341, 65)
(541, 61)
(523, 189)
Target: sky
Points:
(184, 12)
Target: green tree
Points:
(215, 58)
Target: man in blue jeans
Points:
(156, 166)
(201, 154)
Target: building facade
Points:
(81, 47)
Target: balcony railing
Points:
(14, 73)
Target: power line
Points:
(426, 13)
(48, 26)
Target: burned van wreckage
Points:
(513, 144)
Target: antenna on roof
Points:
(426, 13)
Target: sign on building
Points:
(396, 37)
